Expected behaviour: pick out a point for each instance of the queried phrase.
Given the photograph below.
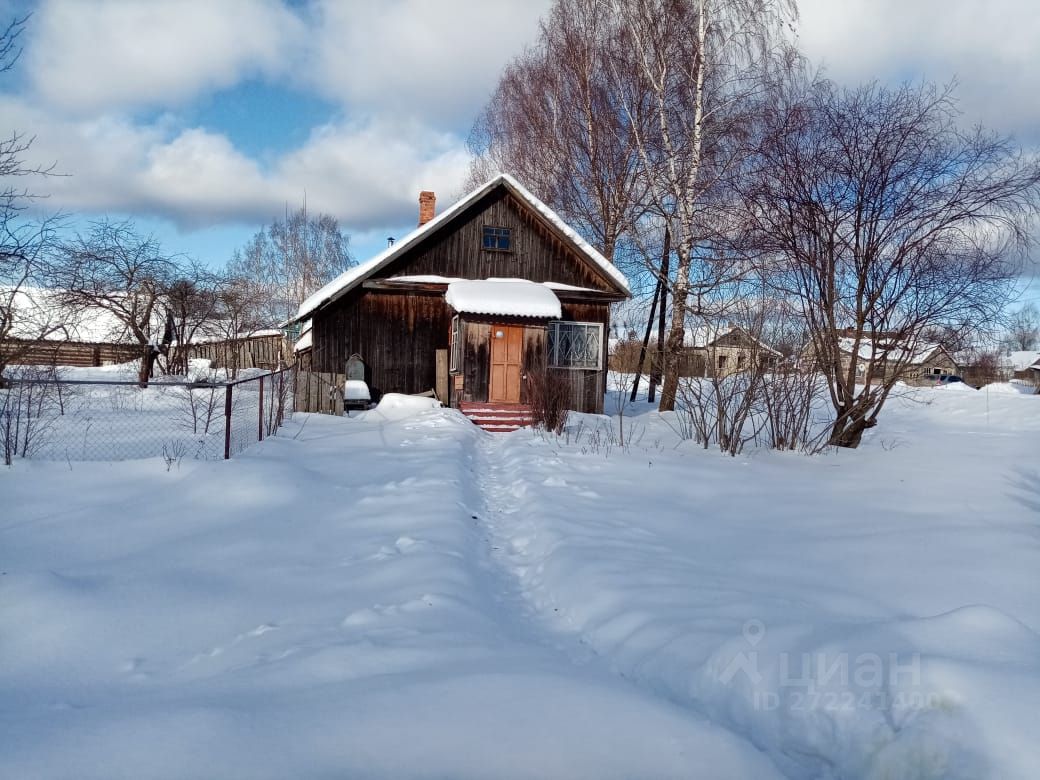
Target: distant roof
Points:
(706, 336)
(508, 297)
(39, 312)
(1022, 359)
(350, 278)
(890, 349)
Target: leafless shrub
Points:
(788, 397)
(624, 357)
(29, 407)
(172, 453)
(202, 404)
(277, 391)
(720, 410)
(550, 396)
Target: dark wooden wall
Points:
(397, 333)
(537, 254)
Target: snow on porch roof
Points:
(507, 297)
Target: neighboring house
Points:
(1023, 363)
(720, 351)
(917, 364)
(471, 302)
(1033, 372)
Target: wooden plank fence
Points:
(82, 354)
(319, 391)
(266, 352)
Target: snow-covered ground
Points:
(401, 595)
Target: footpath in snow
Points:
(868, 614)
(327, 605)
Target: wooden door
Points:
(507, 353)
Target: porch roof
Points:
(506, 297)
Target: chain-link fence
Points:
(47, 417)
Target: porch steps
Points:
(498, 418)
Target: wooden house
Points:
(472, 302)
(893, 357)
(711, 350)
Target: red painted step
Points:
(498, 418)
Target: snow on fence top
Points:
(349, 279)
(509, 297)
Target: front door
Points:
(507, 352)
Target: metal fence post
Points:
(260, 413)
(281, 400)
(227, 422)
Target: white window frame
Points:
(553, 340)
(454, 346)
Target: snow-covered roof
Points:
(350, 278)
(435, 279)
(707, 335)
(216, 331)
(890, 349)
(303, 342)
(39, 312)
(507, 297)
(1020, 359)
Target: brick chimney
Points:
(427, 206)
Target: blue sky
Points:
(204, 120)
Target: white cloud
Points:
(412, 57)
(375, 169)
(88, 57)
(409, 76)
(439, 60)
(990, 47)
(368, 174)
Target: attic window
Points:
(497, 239)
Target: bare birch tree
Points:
(292, 258)
(1024, 327)
(691, 76)
(888, 220)
(554, 121)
